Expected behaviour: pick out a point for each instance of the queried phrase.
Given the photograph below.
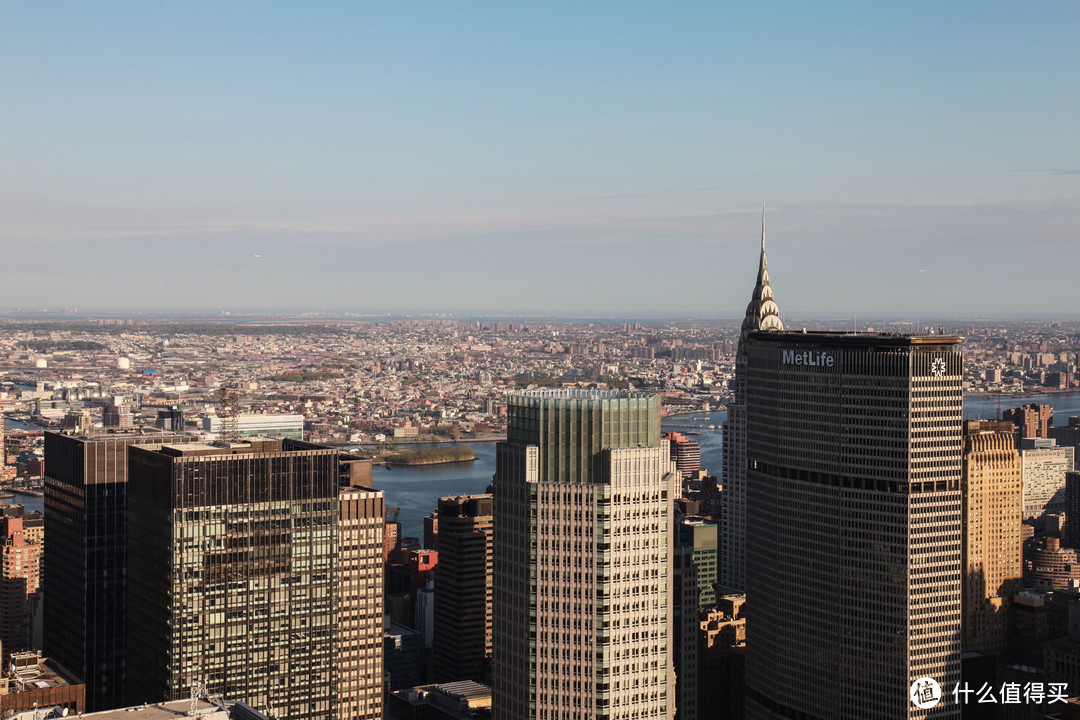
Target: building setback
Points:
(853, 557)
(234, 575)
(84, 582)
(584, 492)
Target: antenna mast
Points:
(230, 415)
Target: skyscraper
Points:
(693, 589)
(463, 587)
(762, 313)
(583, 521)
(20, 560)
(360, 608)
(234, 575)
(992, 548)
(685, 453)
(853, 556)
(1043, 465)
(1031, 420)
(86, 484)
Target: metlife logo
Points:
(808, 358)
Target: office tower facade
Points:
(20, 562)
(117, 414)
(360, 611)
(1068, 435)
(762, 314)
(1071, 537)
(1043, 465)
(722, 658)
(685, 453)
(684, 636)
(234, 575)
(402, 647)
(1031, 421)
(694, 588)
(993, 560)
(854, 445)
(583, 540)
(171, 419)
(463, 589)
(362, 589)
(699, 536)
(84, 580)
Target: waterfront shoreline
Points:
(390, 463)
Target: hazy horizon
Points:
(556, 158)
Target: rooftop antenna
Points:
(230, 412)
(762, 224)
(198, 691)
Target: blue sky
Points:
(571, 158)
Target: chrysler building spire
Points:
(762, 313)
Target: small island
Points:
(428, 455)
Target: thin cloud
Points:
(656, 193)
(1052, 171)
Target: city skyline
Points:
(915, 159)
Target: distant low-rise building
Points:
(270, 426)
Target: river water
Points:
(417, 490)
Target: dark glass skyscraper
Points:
(853, 466)
(86, 484)
(461, 649)
(234, 575)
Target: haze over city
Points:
(917, 159)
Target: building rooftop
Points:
(181, 709)
(30, 671)
(855, 338)
(467, 692)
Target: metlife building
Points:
(853, 453)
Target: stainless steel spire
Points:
(762, 313)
